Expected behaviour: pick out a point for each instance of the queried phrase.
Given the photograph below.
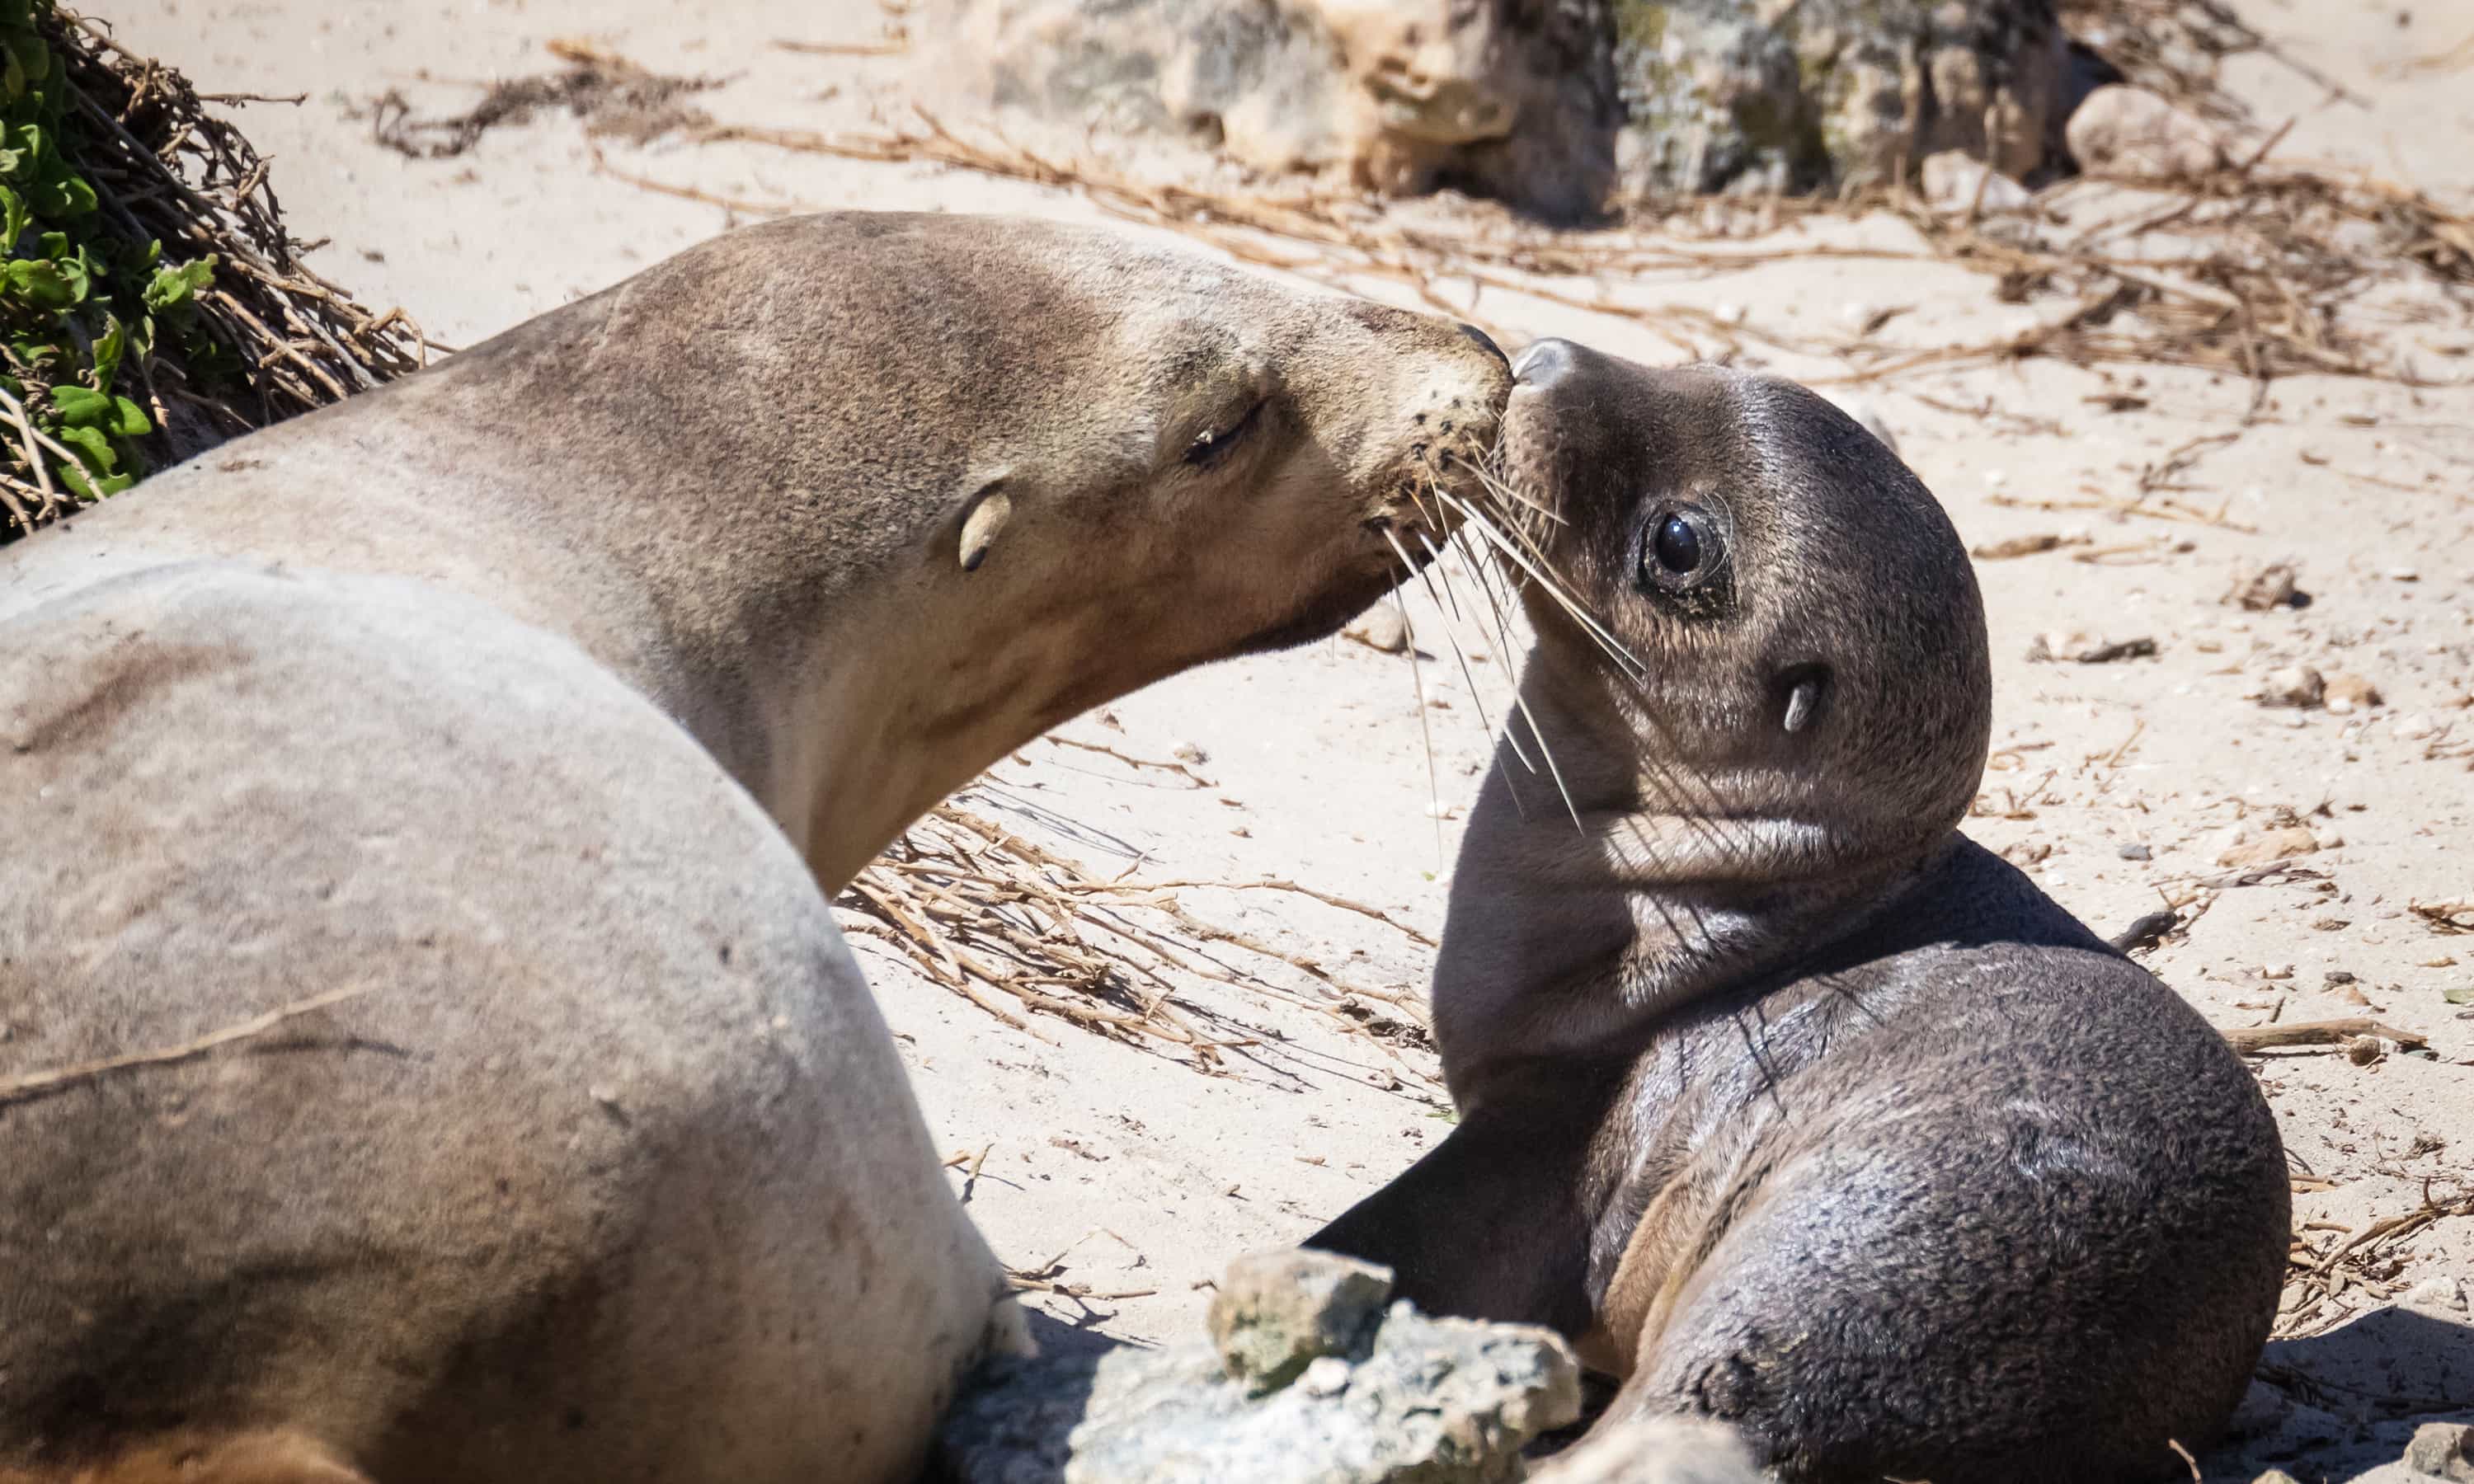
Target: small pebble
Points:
(2413, 728)
(2135, 851)
(1190, 752)
(2292, 686)
(1382, 630)
(1326, 1375)
(2276, 972)
(2344, 694)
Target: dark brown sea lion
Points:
(1803, 1111)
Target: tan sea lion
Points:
(506, 702)
(1805, 1113)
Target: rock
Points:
(1190, 752)
(2277, 1476)
(2126, 131)
(2348, 693)
(1511, 99)
(1414, 1399)
(1955, 182)
(2442, 1450)
(2082, 647)
(2413, 728)
(1663, 1450)
(2270, 847)
(1382, 630)
(1757, 96)
(2292, 686)
(1275, 1311)
(1514, 98)
(2270, 586)
(2440, 1292)
(2135, 851)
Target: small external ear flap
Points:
(1807, 686)
(981, 528)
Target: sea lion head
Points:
(919, 487)
(1759, 671)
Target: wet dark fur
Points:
(1865, 1146)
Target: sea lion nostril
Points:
(1487, 341)
(1543, 362)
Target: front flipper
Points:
(1493, 1222)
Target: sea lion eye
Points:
(1212, 444)
(1678, 549)
(1678, 546)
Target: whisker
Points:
(1483, 567)
(1460, 654)
(1564, 599)
(1425, 729)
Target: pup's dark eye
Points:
(1678, 546)
(1680, 549)
(1213, 446)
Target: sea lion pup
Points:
(1799, 1110)
(511, 696)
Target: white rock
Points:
(2120, 129)
(1953, 179)
(2414, 728)
(2294, 685)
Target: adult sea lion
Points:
(1803, 1112)
(507, 700)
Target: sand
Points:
(1121, 1173)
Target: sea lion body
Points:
(534, 705)
(1803, 1113)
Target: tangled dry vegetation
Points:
(162, 307)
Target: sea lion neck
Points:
(1583, 918)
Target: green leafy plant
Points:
(82, 308)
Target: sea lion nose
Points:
(1544, 363)
(1485, 341)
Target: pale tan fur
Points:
(538, 696)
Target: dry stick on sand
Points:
(978, 908)
(26, 1085)
(2249, 1038)
(2363, 1263)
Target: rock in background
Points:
(1547, 104)
(1510, 99)
(1798, 95)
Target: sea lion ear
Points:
(1807, 685)
(991, 509)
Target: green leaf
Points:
(61, 198)
(42, 283)
(107, 351)
(81, 407)
(91, 445)
(27, 52)
(85, 487)
(14, 218)
(16, 13)
(128, 419)
(172, 287)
